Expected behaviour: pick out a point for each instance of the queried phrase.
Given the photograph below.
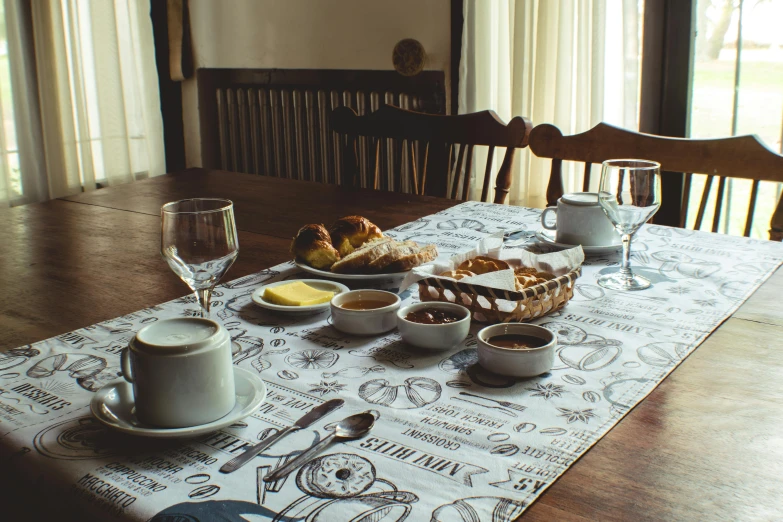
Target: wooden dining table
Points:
(706, 444)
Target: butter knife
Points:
(316, 413)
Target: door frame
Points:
(666, 85)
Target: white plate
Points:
(545, 237)
(113, 406)
(355, 277)
(319, 284)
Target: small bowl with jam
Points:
(365, 312)
(516, 349)
(433, 325)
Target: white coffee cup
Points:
(580, 220)
(181, 371)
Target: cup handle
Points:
(125, 364)
(543, 218)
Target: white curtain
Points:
(86, 105)
(571, 63)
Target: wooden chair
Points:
(425, 153)
(744, 157)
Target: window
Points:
(9, 157)
(79, 97)
(738, 89)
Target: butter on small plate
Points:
(295, 293)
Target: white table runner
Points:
(452, 442)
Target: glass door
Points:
(737, 89)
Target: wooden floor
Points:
(707, 444)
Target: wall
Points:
(308, 34)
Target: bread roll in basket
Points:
(492, 305)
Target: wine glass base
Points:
(617, 282)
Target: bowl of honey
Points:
(433, 325)
(365, 312)
(516, 349)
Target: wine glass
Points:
(198, 240)
(630, 193)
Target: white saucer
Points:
(546, 237)
(113, 406)
(318, 284)
(354, 277)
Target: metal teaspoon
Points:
(351, 427)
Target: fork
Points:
(501, 409)
(505, 404)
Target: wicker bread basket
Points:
(490, 305)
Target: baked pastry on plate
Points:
(313, 246)
(357, 246)
(351, 232)
(385, 255)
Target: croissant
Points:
(351, 232)
(313, 245)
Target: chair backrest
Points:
(425, 153)
(743, 157)
(275, 122)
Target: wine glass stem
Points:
(625, 271)
(204, 297)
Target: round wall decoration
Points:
(409, 57)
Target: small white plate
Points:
(113, 406)
(355, 277)
(318, 284)
(545, 237)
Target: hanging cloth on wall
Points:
(180, 51)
